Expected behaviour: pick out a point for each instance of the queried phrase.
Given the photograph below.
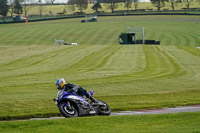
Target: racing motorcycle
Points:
(73, 105)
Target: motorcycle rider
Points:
(72, 88)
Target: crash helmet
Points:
(60, 83)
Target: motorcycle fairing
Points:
(84, 108)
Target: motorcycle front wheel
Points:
(66, 111)
(104, 109)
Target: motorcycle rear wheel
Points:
(66, 112)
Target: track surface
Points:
(181, 109)
(194, 108)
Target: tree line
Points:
(173, 3)
(114, 4)
(23, 6)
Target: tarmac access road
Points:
(181, 109)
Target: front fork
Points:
(67, 104)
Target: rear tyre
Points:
(68, 112)
(104, 110)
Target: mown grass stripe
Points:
(69, 36)
(82, 39)
(126, 60)
(107, 56)
(95, 60)
(27, 37)
(177, 69)
(103, 37)
(19, 34)
(190, 66)
(155, 68)
(172, 40)
(115, 37)
(191, 50)
(152, 35)
(177, 39)
(35, 59)
(108, 37)
(195, 37)
(186, 40)
(38, 36)
(78, 34)
(191, 40)
(168, 40)
(61, 69)
(95, 36)
(9, 33)
(157, 64)
(162, 37)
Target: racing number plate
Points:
(92, 112)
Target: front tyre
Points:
(104, 109)
(66, 111)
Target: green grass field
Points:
(168, 123)
(127, 77)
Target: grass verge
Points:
(165, 123)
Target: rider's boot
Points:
(96, 102)
(93, 99)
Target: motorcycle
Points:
(73, 105)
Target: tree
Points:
(81, 4)
(136, 3)
(188, 3)
(52, 1)
(127, 4)
(4, 7)
(27, 6)
(113, 4)
(72, 8)
(17, 7)
(11, 7)
(71, 5)
(174, 3)
(41, 7)
(96, 6)
(158, 3)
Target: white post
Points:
(143, 34)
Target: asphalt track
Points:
(193, 108)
